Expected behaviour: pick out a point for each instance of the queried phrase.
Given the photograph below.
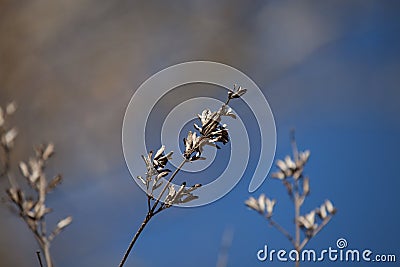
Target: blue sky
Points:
(328, 69)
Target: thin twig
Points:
(168, 183)
(39, 258)
(136, 236)
(148, 203)
(149, 215)
(297, 205)
(282, 230)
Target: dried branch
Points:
(211, 132)
(290, 173)
(32, 209)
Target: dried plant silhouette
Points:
(30, 204)
(211, 132)
(291, 174)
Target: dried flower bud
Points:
(270, 205)
(48, 151)
(262, 205)
(290, 168)
(24, 169)
(227, 111)
(236, 93)
(306, 186)
(322, 212)
(36, 170)
(53, 183)
(141, 179)
(329, 207)
(8, 137)
(183, 195)
(155, 168)
(11, 108)
(192, 145)
(307, 221)
(252, 203)
(64, 223)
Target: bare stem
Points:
(168, 183)
(149, 215)
(148, 203)
(139, 231)
(42, 240)
(47, 256)
(282, 230)
(297, 204)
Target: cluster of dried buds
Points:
(290, 173)
(33, 209)
(262, 205)
(291, 168)
(211, 131)
(308, 222)
(155, 169)
(180, 196)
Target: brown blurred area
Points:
(72, 65)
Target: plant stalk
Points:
(149, 215)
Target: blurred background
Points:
(331, 69)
